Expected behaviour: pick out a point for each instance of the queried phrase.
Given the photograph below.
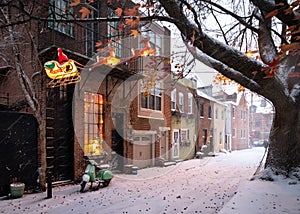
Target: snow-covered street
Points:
(208, 185)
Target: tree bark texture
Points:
(284, 148)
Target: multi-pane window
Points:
(173, 99)
(181, 102)
(209, 111)
(233, 132)
(93, 123)
(201, 109)
(243, 133)
(190, 103)
(257, 122)
(233, 112)
(154, 100)
(92, 31)
(60, 10)
(185, 135)
(114, 33)
(155, 41)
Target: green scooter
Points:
(94, 173)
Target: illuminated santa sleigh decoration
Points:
(62, 72)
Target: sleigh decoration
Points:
(62, 72)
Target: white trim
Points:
(164, 128)
(149, 117)
(143, 132)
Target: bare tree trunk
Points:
(42, 150)
(284, 148)
(29, 91)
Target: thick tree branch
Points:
(225, 70)
(269, 6)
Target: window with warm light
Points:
(93, 123)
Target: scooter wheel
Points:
(82, 186)
(106, 183)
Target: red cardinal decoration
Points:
(62, 58)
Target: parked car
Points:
(261, 143)
(258, 143)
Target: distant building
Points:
(260, 125)
(237, 122)
(184, 115)
(205, 124)
(219, 126)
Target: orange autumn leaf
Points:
(74, 3)
(271, 14)
(289, 47)
(295, 3)
(291, 28)
(288, 11)
(254, 73)
(192, 40)
(132, 11)
(120, 27)
(279, 4)
(119, 12)
(132, 22)
(241, 88)
(134, 33)
(84, 12)
(99, 44)
(271, 69)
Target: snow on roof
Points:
(202, 94)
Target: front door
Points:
(117, 144)
(164, 138)
(175, 143)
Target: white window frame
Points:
(187, 135)
(190, 103)
(181, 101)
(233, 112)
(156, 94)
(173, 99)
(233, 133)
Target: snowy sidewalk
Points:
(265, 197)
(208, 186)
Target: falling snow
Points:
(218, 184)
